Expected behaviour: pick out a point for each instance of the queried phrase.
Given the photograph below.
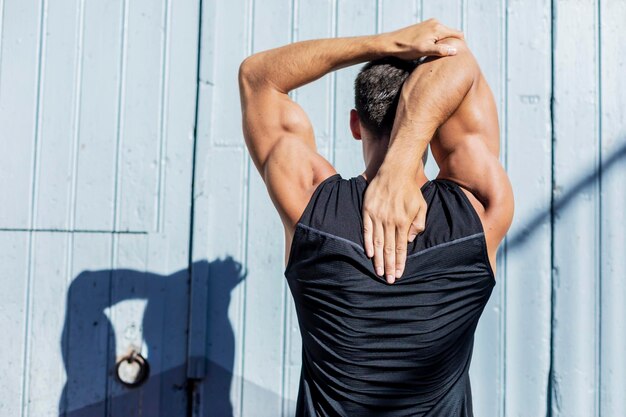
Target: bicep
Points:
(281, 143)
(268, 116)
(475, 168)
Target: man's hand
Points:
(386, 221)
(421, 39)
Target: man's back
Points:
(370, 348)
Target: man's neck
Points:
(371, 171)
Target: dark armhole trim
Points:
(307, 209)
(480, 224)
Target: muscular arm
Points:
(433, 91)
(450, 101)
(278, 134)
(265, 79)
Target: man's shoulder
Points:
(291, 175)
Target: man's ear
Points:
(355, 124)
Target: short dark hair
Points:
(377, 91)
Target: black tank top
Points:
(375, 349)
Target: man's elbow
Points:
(464, 59)
(246, 73)
(254, 74)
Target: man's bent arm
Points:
(293, 65)
(266, 77)
(430, 95)
(391, 215)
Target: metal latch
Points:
(132, 370)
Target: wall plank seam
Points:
(28, 304)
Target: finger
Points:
(401, 248)
(418, 224)
(389, 252)
(367, 235)
(443, 49)
(378, 240)
(438, 49)
(421, 218)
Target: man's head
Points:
(377, 90)
(376, 94)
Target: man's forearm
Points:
(432, 92)
(291, 66)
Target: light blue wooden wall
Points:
(123, 168)
(97, 115)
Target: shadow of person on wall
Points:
(148, 312)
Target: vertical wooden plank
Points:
(220, 202)
(169, 250)
(231, 38)
(141, 113)
(354, 17)
(613, 201)
(179, 112)
(576, 212)
(293, 359)
(448, 12)
(57, 120)
(132, 328)
(99, 110)
(46, 375)
(217, 320)
(13, 278)
(529, 165)
(197, 356)
(396, 14)
(20, 80)
(218, 273)
(19, 74)
(314, 20)
(215, 343)
(265, 285)
(482, 22)
(86, 330)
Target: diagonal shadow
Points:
(560, 202)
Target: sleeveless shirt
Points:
(370, 348)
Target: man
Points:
(370, 348)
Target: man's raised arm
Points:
(430, 95)
(266, 77)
